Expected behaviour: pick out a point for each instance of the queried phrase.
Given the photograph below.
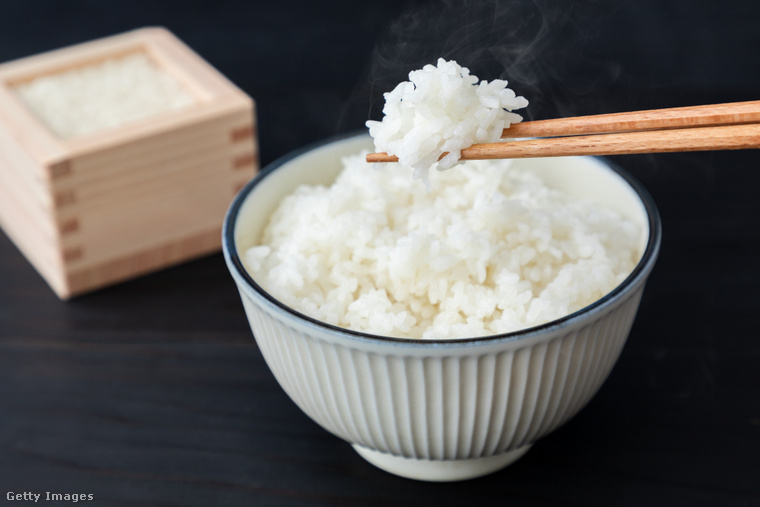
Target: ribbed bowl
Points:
(445, 409)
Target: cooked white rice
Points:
(103, 95)
(442, 109)
(488, 249)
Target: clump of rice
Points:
(109, 94)
(442, 109)
(488, 249)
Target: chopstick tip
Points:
(381, 157)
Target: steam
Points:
(538, 46)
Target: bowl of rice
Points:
(438, 332)
(440, 324)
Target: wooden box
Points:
(100, 208)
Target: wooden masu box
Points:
(105, 207)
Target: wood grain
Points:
(730, 126)
(735, 137)
(88, 211)
(733, 113)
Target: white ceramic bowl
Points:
(447, 409)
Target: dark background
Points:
(153, 392)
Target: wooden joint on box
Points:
(59, 169)
(243, 161)
(72, 254)
(109, 180)
(241, 133)
(68, 226)
(66, 198)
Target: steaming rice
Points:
(442, 109)
(488, 249)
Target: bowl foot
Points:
(438, 470)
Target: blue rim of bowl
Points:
(641, 271)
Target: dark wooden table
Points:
(153, 392)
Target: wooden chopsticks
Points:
(731, 126)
